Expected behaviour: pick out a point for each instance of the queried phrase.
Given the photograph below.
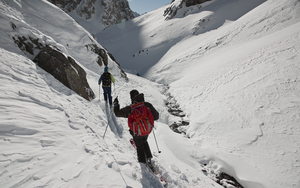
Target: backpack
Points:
(141, 120)
(106, 80)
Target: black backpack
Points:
(106, 80)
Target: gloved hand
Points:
(116, 102)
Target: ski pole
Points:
(156, 143)
(114, 90)
(109, 119)
(105, 130)
(99, 92)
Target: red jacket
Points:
(124, 112)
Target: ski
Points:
(132, 143)
(108, 116)
(154, 168)
(157, 173)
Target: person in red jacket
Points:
(143, 149)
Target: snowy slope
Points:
(148, 38)
(235, 73)
(51, 137)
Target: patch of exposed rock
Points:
(65, 69)
(221, 178)
(173, 108)
(103, 57)
(52, 60)
(174, 7)
(108, 12)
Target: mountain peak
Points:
(96, 15)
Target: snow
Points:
(93, 25)
(236, 76)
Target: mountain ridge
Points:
(96, 15)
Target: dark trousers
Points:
(142, 147)
(107, 94)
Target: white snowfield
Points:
(236, 75)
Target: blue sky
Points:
(142, 6)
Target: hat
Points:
(133, 93)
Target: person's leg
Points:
(147, 148)
(105, 93)
(139, 143)
(147, 153)
(109, 95)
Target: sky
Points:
(142, 6)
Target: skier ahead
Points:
(106, 79)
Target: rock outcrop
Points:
(108, 12)
(63, 68)
(103, 57)
(176, 5)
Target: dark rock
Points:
(24, 44)
(51, 59)
(171, 11)
(185, 123)
(194, 2)
(174, 109)
(68, 6)
(65, 69)
(113, 10)
(223, 179)
(176, 112)
(219, 177)
(13, 26)
(102, 55)
(176, 125)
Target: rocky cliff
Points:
(100, 13)
(176, 5)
